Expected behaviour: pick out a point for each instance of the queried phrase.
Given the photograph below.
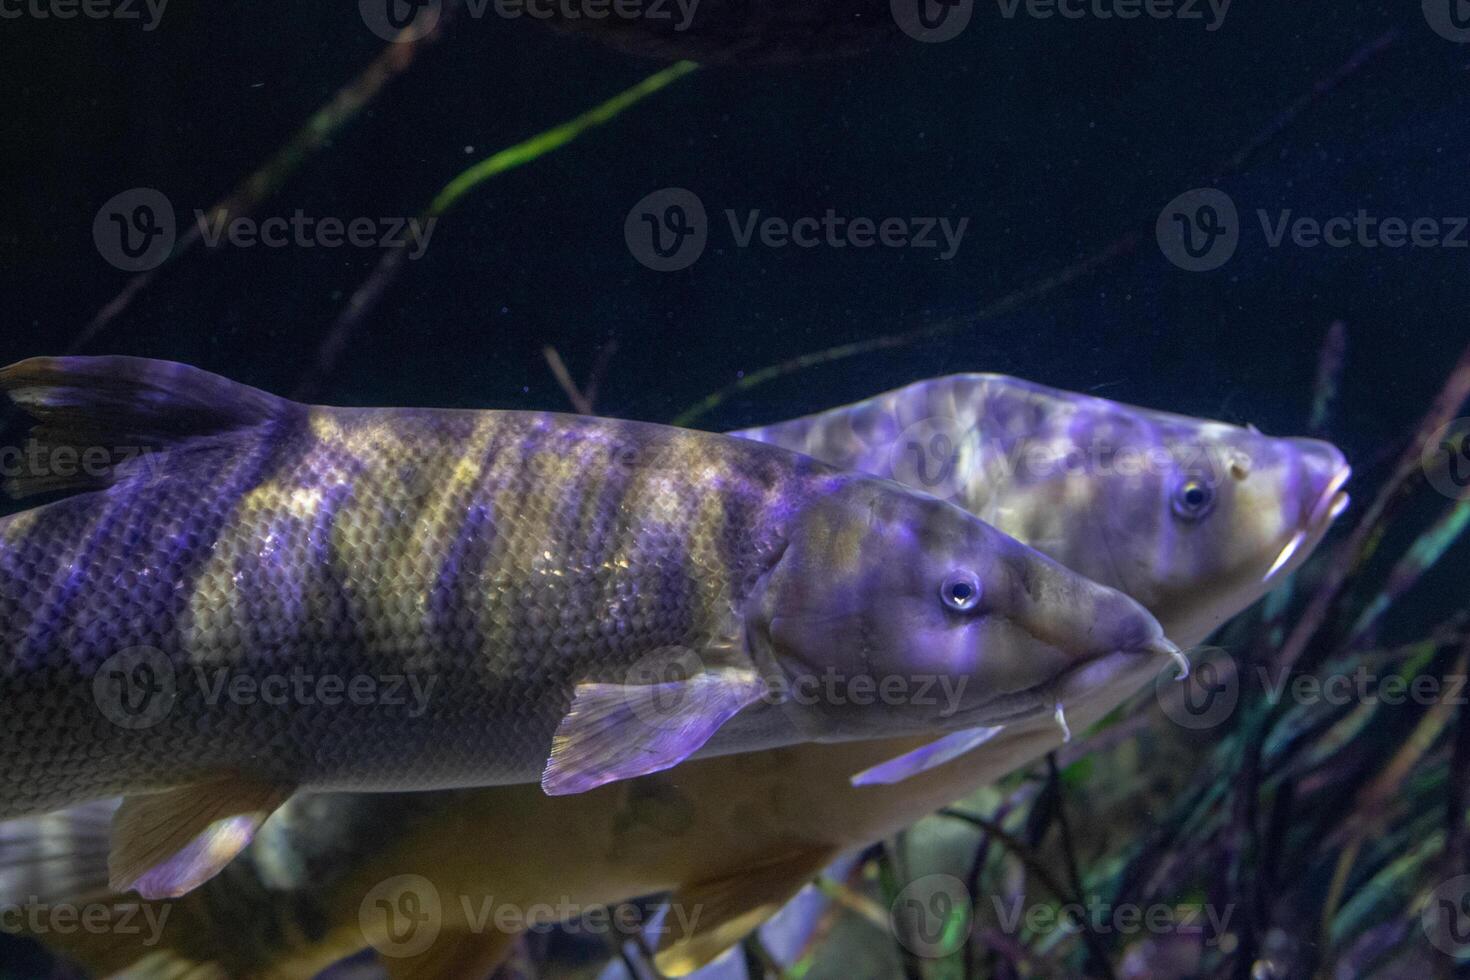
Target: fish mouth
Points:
(1329, 505)
(1125, 670)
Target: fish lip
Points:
(1326, 508)
(1330, 503)
(1041, 698)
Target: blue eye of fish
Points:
(961, 591)
(1193, 499)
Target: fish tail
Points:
(53, 875)
(99, 418)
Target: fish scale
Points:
(323, 548)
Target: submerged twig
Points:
(366, 297)
(1355, 550)
(345, 105)
(579, 401)
(1042, 873)
(1330, 363)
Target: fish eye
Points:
(1194, 499)
(961, 590)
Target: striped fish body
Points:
(366, 598)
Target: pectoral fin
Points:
(618, 731)
(707, 918)
(164, 845)
(923, 759)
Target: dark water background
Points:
(1054, 138)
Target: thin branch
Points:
(582, 403)
(1071, 273)
(1040, 871)
(315, 134)
(369, 294)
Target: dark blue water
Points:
(1055, 140)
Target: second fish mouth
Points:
(1328, 506)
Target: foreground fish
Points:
(282, 598)
(732, 838)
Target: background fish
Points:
(197, 634)
(1178, 512)
(735, 836)
(744, 31)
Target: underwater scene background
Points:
(1124, 206)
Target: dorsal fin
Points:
(123, 406)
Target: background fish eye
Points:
(1193, 499)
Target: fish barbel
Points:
(742, 833)
(279, 598)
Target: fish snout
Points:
(1082, 631)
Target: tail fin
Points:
(104, 408)
(58, 858)
(56, 865)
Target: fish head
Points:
(1195, 519)
(892, 611)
